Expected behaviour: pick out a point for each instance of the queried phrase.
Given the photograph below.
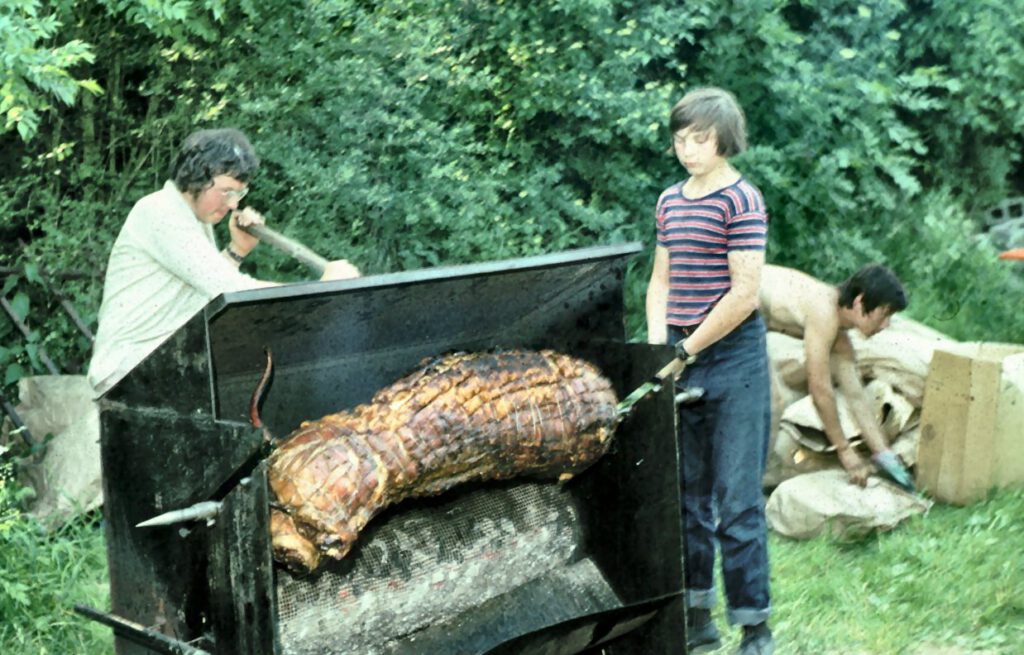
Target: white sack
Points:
(67, 480)
(825, 502)
(895, 415)
(900, 355)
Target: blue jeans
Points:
(724, 443)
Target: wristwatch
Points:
(234, 255)
(682, 354)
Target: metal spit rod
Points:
(288, 246)
(140, 634)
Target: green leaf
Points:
(20, 305)
(14, 373)
(16, 591)
(92, 86)
(32, 273)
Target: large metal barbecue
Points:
(521, 566)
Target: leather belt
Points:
(687, 330)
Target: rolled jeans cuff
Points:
(703, 599)
(747, 616)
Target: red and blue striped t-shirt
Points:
(699, 234)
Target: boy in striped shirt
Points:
(703, 297)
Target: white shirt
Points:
(164, 267)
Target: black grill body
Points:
(607, 573)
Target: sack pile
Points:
(824, 502)
(894, 367)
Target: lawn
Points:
(949, 582)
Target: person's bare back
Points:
(802, 306)
(789, 298)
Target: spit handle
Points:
(671, 369)
(288, 246)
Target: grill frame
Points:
(174, 433)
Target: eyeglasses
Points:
(234, 194)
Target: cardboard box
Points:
(972, 422)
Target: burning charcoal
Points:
(478, 416)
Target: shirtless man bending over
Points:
(801, 306)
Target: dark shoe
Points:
(702, 637)
(757, 642)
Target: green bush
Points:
(431, 137)
(403, 135)
(960, 288)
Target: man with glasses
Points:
(165, 265)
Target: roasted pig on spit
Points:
(462, 417)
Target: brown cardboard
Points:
(972, 422)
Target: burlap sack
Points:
(825, 502)
(66, 479)
(895, 415)
(799, 444)
(788, 458)
(900, 356)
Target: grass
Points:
(952, 579)
(43, 575)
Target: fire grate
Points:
(437, 564)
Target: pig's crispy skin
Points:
(462, 417)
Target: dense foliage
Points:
(408, 134)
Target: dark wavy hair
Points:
(708, 107)
(208, 153)
(880, 286)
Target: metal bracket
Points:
(689, 395)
